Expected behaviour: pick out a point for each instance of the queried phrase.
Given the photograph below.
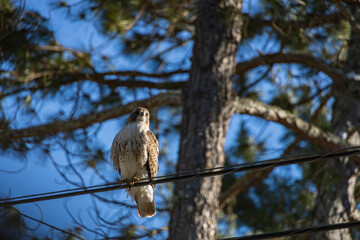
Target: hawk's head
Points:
(140, 115)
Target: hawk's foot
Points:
(133, 181)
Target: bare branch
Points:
(162, 99)
(244, 184)
(141, 84)
(289, 120)
(336, 74)
(251, 179)
(304, 59)
(59, 48)
(311, 22)
(65, 78)
(142, 74)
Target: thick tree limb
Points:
(289, 120)
(162, 99)
(240, 106)
(292, 122)
(304, 59)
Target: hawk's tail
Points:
(146, 209)
(144, 197)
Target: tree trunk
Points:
(335, 201)
(206, 118)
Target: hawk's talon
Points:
(130, 182)
(133, 181)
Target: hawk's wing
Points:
(115, 154)
(153, 154)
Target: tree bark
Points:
(335, 202)
(206, 117)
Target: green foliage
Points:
(246, 147)
(283, 100)
(21, 33)
(286, 202)
(11, 223)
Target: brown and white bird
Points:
(134, 153)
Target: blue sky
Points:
(39, 178)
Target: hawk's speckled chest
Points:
(132, 143)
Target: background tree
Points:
(291, 66)
(206, 116)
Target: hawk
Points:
(134, 153)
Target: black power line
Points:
(293, 232)
(183, 176)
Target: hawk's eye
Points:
(147, 114)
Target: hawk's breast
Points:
(132, 149)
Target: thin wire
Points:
(51, 226)
(184, 176)
(294, 232)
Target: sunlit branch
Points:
(59, 48)
(289, 120)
